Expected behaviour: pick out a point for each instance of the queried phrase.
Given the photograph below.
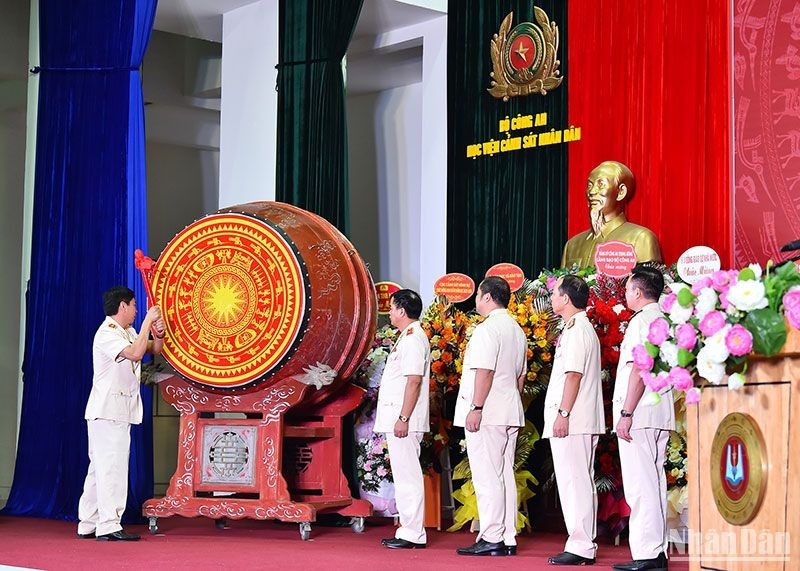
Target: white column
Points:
(30, 168)
(249, 112)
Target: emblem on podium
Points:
(524, 59)
(738, 468)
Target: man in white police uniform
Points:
(643, 422)
(489, 407)
(573, 419)
(114, 404)
(403, 415)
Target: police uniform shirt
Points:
(661, 415)
(411, 355)
(578, 351)
(498, 344)
(115, 386)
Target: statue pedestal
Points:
(761, 497)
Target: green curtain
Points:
(510, 207)
(312, 136)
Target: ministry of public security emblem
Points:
(524, 59)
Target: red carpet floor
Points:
(196, 544)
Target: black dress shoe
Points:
(483, 547)
(567, 558)
(657, 564)
(395, 543)
(120, 535)
(511, 549)
(86, 535)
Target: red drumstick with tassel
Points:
(146, 267)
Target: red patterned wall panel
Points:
(766, 127)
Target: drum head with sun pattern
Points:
(234, 294)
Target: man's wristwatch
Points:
(403, 418)
(475, 407)
(626, 414)
(564, 413)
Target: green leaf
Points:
(768, 329)
(685, 357)
(747, 274)
(652, 350)
(686, 297)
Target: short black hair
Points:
(497, 288)
(408, 300)
(649, 280)
(113, 297)
(576, 290)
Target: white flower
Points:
(669, 353)
(680, 314)
(747, 295)
(710, 370)
(715, 348)
(706, 301)
(756, 270)
(676, 287)
(651, 399)
(619, 308)
(735, 381)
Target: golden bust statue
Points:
(610, 187)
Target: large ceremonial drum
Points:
(262, 291)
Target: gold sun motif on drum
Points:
(225, 300)
(232, 290)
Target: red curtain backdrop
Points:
(649, 86)
(767, 129)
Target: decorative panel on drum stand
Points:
(269, 309)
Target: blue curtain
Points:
(89, 215)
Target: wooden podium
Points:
(752, 462)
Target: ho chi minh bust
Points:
(610, 187)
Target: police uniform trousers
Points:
(645, 483)
(491, 459)
(105, 490)
(573, 460)
(409, 489)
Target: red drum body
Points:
(261, 291)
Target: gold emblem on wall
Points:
(524, 59)
(738, 466)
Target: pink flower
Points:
(721, 280)
(701, 284)
(382, 471)
(668, 302)
(711, 323)
(659, 331)
(686, 336)
(367, 466)
(723, 300)
(693, 396)
(642, 359)
(654, 382)
(551, 283)
(739, 341)
(681, 379)
(791, 305)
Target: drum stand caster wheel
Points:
(305, 531)
(152, 525)
(357, 524)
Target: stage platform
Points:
(247, 544)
